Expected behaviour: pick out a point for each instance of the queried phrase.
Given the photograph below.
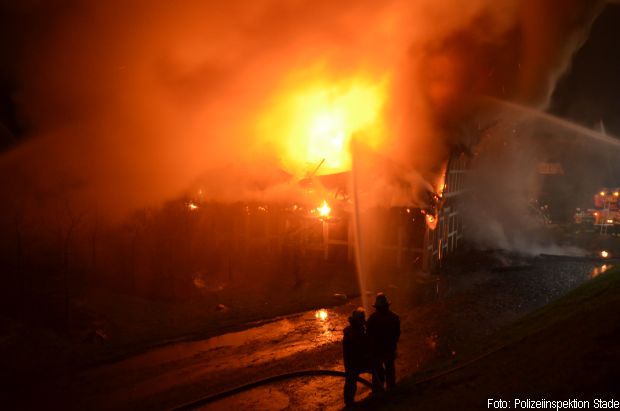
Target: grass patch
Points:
(603, 290)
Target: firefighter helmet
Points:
(381, 301)
(358, 316)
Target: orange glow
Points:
(315, 122)
(324, 210)
(440, 183)
(602, 193)
(321, 314)
(431, 221)
(616, 194)
(192, 206)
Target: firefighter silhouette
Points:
(383, 329)
(355, 352)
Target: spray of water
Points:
(557, 121)
(359, 249)
(505, 180)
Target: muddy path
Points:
(465, 307)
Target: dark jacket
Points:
(355, 349)
(383, 332)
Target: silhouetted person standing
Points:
(355, 352)
(383, 330)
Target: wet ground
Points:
(464, 307)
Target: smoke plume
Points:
(128, 103)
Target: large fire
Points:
(313, 125)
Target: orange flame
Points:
(324, 210)
(431, 221)
(314, 123)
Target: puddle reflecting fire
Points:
(321, 314)
(327, 326)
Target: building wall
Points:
(447, 237)
(405, 241)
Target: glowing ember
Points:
(192, 206)
(604, 253)
(321, 314)
(324, 210)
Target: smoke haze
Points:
(127, 104)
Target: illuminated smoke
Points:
(130, 103)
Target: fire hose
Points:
(312, 373)
(305, 373)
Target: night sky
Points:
(590, 91)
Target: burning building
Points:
(321, 230)
(223, 96)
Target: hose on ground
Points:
(305, 373)
(332, 373)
